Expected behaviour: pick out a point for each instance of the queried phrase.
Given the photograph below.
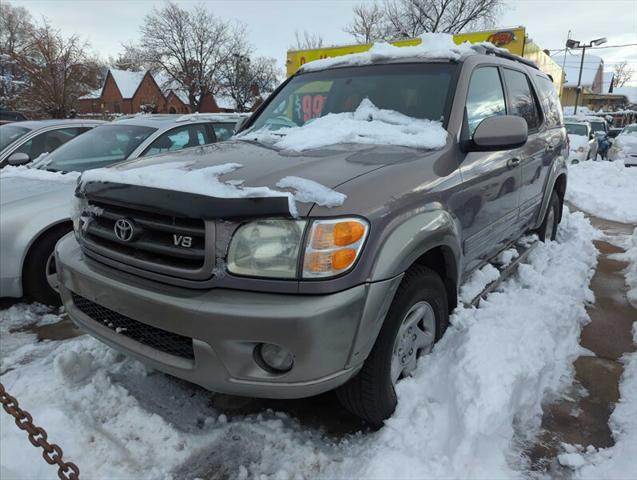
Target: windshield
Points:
(598, 127)
(575, 129)
(630, 129)
(417, 90)
(99, 147)
(10, 133)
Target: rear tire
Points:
(40, 264)
(370, 394)
(548, 229)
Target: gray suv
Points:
(258, 302)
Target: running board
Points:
(523, 247)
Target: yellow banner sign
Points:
(511, 39)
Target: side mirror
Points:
(502, 132)
(18, 158)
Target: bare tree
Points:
(16, 29)
(191, 47)
(247, 80)
(307, 41)
(131, 58)
(410, 18)
(623, 74)
(58, 71)
(369, 23)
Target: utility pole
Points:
(576, 44)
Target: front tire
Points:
(417, 318)
(39, 275)
(548, 229)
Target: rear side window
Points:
(485, 97)
(521, 99)
(223, 131)
(178, 138)
(550, 101)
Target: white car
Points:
(625, 145)
(583, 143)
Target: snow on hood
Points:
(434, 46)
(182, 177)
(368, 124)
(20, 183)
(37, 174)
(577, 141)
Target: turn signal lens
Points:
(333, 246)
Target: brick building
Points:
(126, 92)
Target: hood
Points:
(23, 189)
(264, 166)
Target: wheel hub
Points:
(416, 336)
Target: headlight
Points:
(273, 248)
(266, 248)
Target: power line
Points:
(595, 48)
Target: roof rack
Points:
(500, 52)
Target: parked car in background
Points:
(614, 131)
(599, 128)
(625, 145)
(343, 289)
(36, 203)
(7, 116)
(583, 143)
(23, 142)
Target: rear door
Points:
(535, 156)
(491, 180)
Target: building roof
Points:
(571, 64)
(607, 81)
(127, 81)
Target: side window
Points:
(485, 97)
(48, 141)
(223, 131)
(178, 138)
(521, 98)
(550, 101)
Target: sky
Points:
(270, 25)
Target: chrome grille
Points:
(165, 244)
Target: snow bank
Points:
(619, 461)
(434, 46)
(458, 417)
(37, 174)
(604, 189)
(629, 244)
(367, 124)
(477, 282)
(182, 177)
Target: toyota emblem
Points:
(124, 230)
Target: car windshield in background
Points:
(10, 133)
(598, 127)
(100, 147)
(575, 129)
(417, 90)
(632, 129)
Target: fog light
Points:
(274, 357)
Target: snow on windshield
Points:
(182, 177)
(367, 124)
(434, 46)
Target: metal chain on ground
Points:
(51, 453)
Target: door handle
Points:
(513, 162)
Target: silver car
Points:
(23, 142)
(35, 203)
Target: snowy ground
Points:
(470, 410)
(605, 189)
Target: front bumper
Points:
(328, 335)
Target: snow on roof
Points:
(92, 95)
(607, 80)
(226, 102)
(434, 46)
(214, 117)
(367, 124)
(127, 81)
(571, 68)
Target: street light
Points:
(574, 44)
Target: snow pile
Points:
(629, 244)
(434, 46)
(367, 124)
(457, 416)
(604, 189)
(310, 191)
(619, 461)
(24, 171)
(477, 282)
(182, 177)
